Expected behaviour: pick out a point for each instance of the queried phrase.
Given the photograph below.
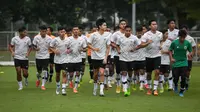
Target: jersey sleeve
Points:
(118, 42)
(90, 39)
(161, 36)
(29, 42)
(53, 43)
(35, 41)
(144, 38)
(12, 42)
(193, 42)
(84, 45)
(113, 37)
(171, 48)
(137, 41)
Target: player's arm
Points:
(90, 44)
(107, 50)
(11, 49)
(118, 46)
(113, 44)
(34, 45)
(190, 49)
(144, 42)
(171, 48)
(29, 47)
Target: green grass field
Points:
(32, 99)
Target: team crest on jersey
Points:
(185, 47)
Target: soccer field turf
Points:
(32, 99)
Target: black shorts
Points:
(21, 63)
(137, 65)
(73, 67)
(51, 59)
(164, 69)
(153, 64)
(83, 61)
(189, 65)
(98, 64)
(179, 71)
(42, 64)
(110, 60)
(59, 67)
(89, 60)
(126, 66)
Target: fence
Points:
(6, 58)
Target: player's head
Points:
(43, 30)
(68, 32)
(75, 30)
(144, 28)
(184, 27)
(61, 31)
(128, 31)
(139, 32)
(153, 25)
(101, 24)
(171, 23)
(182, 35)
(49, 30)
(22, 31)
(165, 34)
(93, 29)
(122, 24)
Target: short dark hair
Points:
(184, 26)
(61, 28)
(170, 20)
(116, 28)
(151, 21)
(128, 26)
(182, 33)
(139, 29)
(99, 22)
(122, 20)
(43, 27)
(68, 29)
(50, 28)
(21, 29)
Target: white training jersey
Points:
(43, 44)
(76, 45)
(83, 54)
(165, 57)
(173, 35)
(115, 36)
(191, 40)
(61, 46)
(153, 49)
(127, 44)
(21, 46)
(99, 41)
(139, 55)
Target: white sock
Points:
(58, 84)
(145, 78)
(76, 82)
(161, 80)
(141, 78)
(80, 77)
(105, 79)
(149, 83)
(20, 84)
(101, 87)
(118, 77)
(95, 86)
(63, 86)
(129, 81)
(109, 79)
(155, 85)
(43, 81)
(124, 81)
(170, 80)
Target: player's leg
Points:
(188, 74)
(101, 78)
(58, 70)
(24, 66)
(64, 78)
(157, 62)
(135, 74)
(141, 75)
(77, 69)
(170, 81)
(175, 72)
(82, 70)
(18, 71)
(183, 74)
(44, 64)
(111, 72)
(39, 71)
(95, 76)
(71, 75)
(51, 66)
(130, 72)
(124, 71)
(90, 69)
(118, 75)
(149, 69)
(106, 74)
(161, 78)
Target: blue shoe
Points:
(176, 89)
(181, 94)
